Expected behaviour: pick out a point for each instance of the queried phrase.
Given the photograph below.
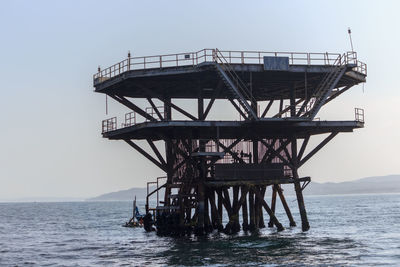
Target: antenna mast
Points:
(351, 42)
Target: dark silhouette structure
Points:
(217, 168)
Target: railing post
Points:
(129, 60)
(242, 57)
(160, 62)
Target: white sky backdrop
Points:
(50, 142)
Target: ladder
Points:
(236, 86)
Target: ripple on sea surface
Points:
(345, 231)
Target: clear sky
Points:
(50, 118)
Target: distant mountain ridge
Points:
(368, 185)
(128, 194)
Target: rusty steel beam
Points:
(317, 148)
(285, 206)
(303, 147)
(212, 100)
(267, 108)
(338, 93)
(132, 106)
(268, 210)
(238, 109)
(155, 108)
(148, 156)
(287, 108)
(273, 151)
(156, 151)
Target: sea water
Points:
(346, 230)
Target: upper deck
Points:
(188, 75)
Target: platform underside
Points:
(202, 80)
(279, 128)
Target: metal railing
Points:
(109, 125)
(152, 112)
(131, 118)
(359, 114)
(156, 190)
(206, 55)
(240, 85)
(328, 81)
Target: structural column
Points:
(299, 193)
(202, 174)
(168, 152)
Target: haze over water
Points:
(350, 230)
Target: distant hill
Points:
(369, 185)
(129, 194)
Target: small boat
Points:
(137, 218)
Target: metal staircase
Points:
(236, 86)
(325, 88)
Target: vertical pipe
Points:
(106, 104)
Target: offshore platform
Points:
(222, 168)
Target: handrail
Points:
(220, 59)
(158, 187)
(330, 77)
(359, 114)
(233, 57)
(109, 125)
